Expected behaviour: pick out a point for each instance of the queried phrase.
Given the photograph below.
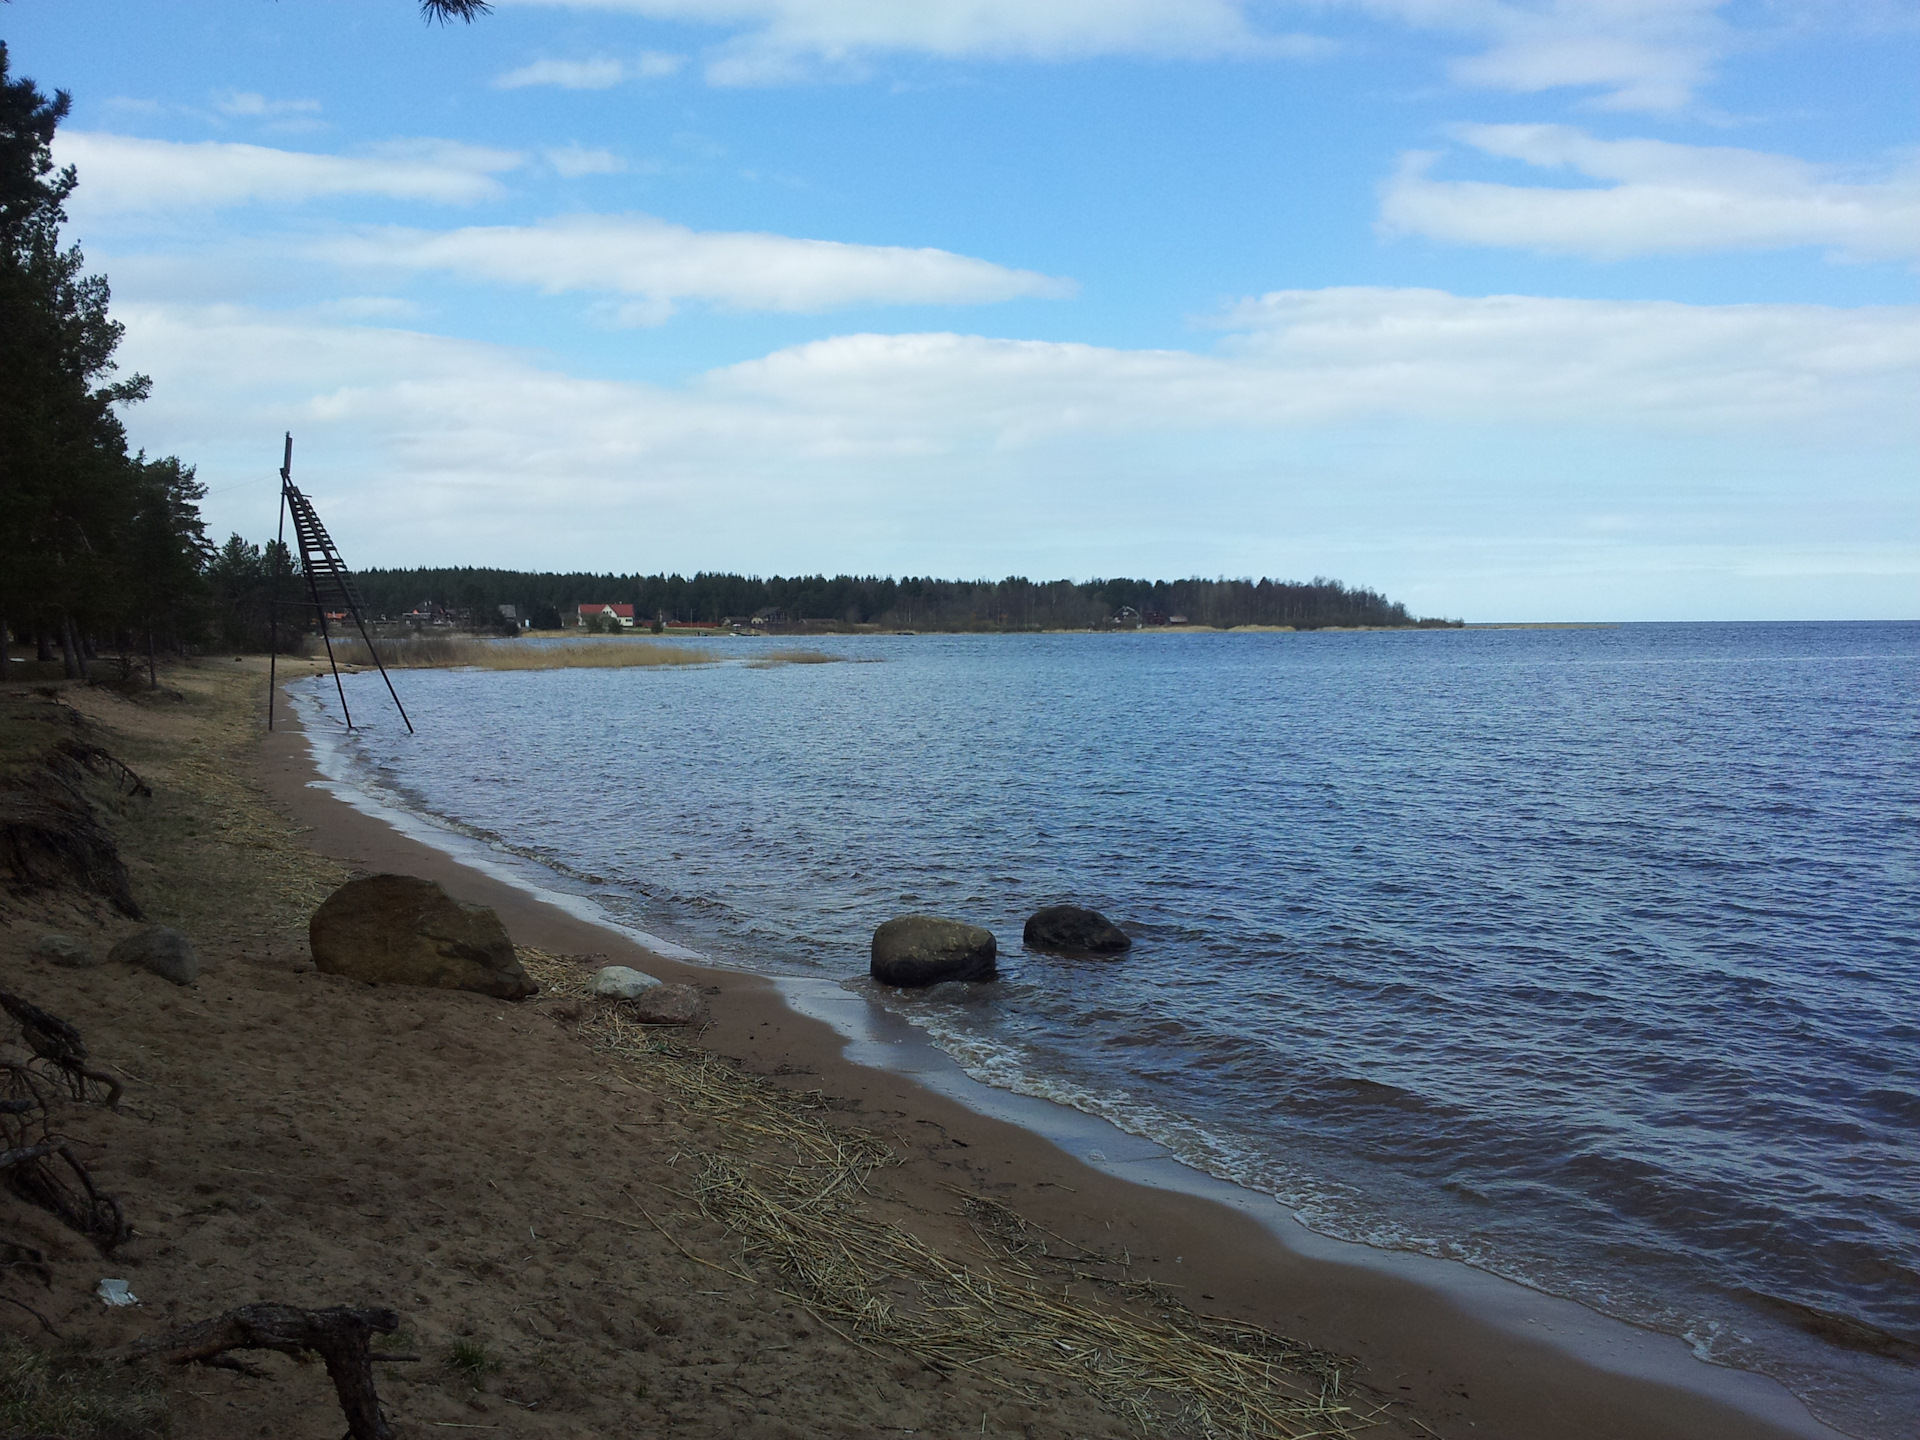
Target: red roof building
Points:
(622, 613)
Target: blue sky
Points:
(1514, 309)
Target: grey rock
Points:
(926, 949)
(164, 951)
(1074, 930)
(58, 949)
(402, 930)
(667, 1005)
(619, 982)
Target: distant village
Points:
(611, 617)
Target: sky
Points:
(1511, 309)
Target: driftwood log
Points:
(341, 1336)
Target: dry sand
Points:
(542, 1208)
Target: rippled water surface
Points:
(1591, 957)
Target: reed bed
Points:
(445, 652)
(794, 657)
(791, 1185)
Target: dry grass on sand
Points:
(447, 652)
(452, 652)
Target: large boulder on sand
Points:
(401, 930)
(926, 949)
(667, 1005)
(621, 982)
(58, 949)
(1074, 930)
(164, 951)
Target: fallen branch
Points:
(341, 1336)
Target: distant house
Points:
(622, 613)
(428, 612)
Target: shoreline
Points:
(1467, 1352)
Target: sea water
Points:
(1590, 957)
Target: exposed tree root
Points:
(340, 1336)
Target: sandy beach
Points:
(542, 1192)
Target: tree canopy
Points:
(447, 11)
(93, 541)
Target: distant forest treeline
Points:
(914, 602)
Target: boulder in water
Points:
(1074, 930)
(926, 949)
(402, 930)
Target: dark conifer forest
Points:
(908, 603)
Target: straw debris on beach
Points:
(789, 1179)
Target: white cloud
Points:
(602, 72)
(1354, 354)
(1643, 54)
(252, 104)
(574, 161)
(1524, 359)
(785, 40)
(658, 264)
(1663, 199)
(599, 72)
(120, 173)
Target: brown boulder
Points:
(401, 930)
(667, 1005)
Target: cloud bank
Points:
(1291, 361)
(1740, 430)
(1649, 55)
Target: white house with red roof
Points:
(621, 613)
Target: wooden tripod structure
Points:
(329, 585)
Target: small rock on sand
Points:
(164, 951)
(1074, 930)
(619, 982)
(926, 949)
(58, 949)
(402, 930)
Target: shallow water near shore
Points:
(1587, 957)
